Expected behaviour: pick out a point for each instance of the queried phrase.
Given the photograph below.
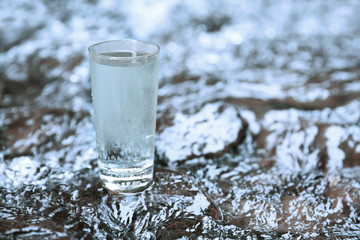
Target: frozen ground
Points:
(258, 129)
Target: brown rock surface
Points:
(210, 132)
(258, 131)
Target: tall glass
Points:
(124, 80)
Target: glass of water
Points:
(124, 81)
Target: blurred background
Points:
(280, 43)
(274, 85)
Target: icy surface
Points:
(258, 128)
(210, 131)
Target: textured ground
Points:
(258, 129)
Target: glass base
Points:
(127, 180)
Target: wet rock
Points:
(311, 139)
(45, 131)
(42, 145)
(296, 203)
(173, 206)
(209, 132)
(258, 106)
(22, 25)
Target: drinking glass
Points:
(124, 82)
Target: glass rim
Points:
(100, 55)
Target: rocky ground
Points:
(258, 127)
